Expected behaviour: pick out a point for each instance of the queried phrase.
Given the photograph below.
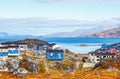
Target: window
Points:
(112, 56)
(97, 56)
(104, 56)
(98, 59)
(59, 55)
(51, 55)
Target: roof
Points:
(52, 44)
(102, 54)
(55, 51)
(3, 47)
(13, 46)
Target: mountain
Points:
(2, 34)
(81, 32)
(115, 32)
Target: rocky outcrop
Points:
(33, 65)
(13, 65)
(21, 72)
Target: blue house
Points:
(3, 51)
(13, 50)
(105, 46)
(40, 47)
(55, 54)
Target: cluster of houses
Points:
(14, 49)
(105, 52)
(11, 49)
(53, 51)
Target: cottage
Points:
(3, 53)
(22, 45)
(105, 46)
(55, 54)
(40, 47)
(50, 46)
(38, 54)
(13, 51)
(97, 57)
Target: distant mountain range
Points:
(93, 32)
(84, 32)
(115, 32)
(106, 28)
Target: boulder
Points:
(21, 72)
(33, 65)
(13, 65)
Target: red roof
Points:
(114, 51)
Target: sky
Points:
(51, 11)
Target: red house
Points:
(115, 51)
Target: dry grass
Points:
(97, 74)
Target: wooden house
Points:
(55, 54)
(3, 52)
(105, 46)
(97, 57)
(13, 51)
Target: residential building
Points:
(97, 57)
(55, 54)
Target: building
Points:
(13, 51)
(55, 54)
(105, 46)
(3, 52)
(40, 47)
(38, 54)
(97, 57)
(22, 45)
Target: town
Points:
(21, 58)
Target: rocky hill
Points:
(29, 42)
(107, 33)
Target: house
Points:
(3, 52)
(40, 47)
(13, 51)
(38, 54)
(55, 54)
(44, 47)
(22, 45)
(105, 46)
(97, 57)
(115, 51)
(51, 46)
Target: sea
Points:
(76, 44)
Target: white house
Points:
(97, 57)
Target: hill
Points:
(29, 42)
(115, 32)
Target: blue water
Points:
(82, 40)
(73, 43)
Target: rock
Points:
(110, 69)
(21, 72)
(33, 65)
(2, 63)
(13, 65)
